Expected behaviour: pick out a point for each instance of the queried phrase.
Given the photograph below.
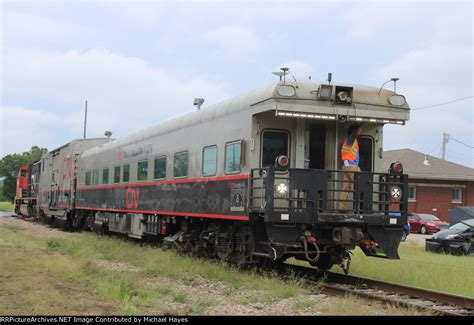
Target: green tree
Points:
(9, 166)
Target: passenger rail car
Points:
(256, 177)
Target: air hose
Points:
(318, 254)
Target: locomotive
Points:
(256, 178)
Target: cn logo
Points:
(131, 198)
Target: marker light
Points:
(396, 168)
(281, 189)
(282, 161)
(395, 193)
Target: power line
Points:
(459, 154)
(437, 146)
(467, 145)
(452, 101)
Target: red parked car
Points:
(426, 223)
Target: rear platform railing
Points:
(318, 192)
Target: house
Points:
(435, 185)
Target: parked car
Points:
(457, 240)
(424, 223)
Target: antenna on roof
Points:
(198, 102)
(282, 73)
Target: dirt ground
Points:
(199, 295)
(417, 239)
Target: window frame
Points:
(138, 170)
(154, 166)
(202, 160)
(108, 175)
(412, 199)
(174, 160)
(372, 141)
(88, 183)
(275, 130)
(453, 200)
(123, 173)
(97, 173)
(240, 160)
(119, 174)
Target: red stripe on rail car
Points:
(182, 214)
(178, 181)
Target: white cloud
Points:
(125, 94)
(234, 41)
(138, 12)
(437, 71)
(22, 128)
(25, 29)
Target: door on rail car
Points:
(275, 142)
(317, 146)
(366, 155)
(54, 195)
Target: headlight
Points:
(343, 96)
(286, 91)
(397, 100)
(395, 193)
(453, 236)
(281, 189)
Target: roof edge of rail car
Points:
(365, 98)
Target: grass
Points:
(416, 267)
(62, 275)
(7, 206)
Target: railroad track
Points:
(439, 303)
(331, 283)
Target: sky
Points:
(139, 63)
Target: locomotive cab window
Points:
(209, 161)
(126, 173)
(160, 168)
(274, 144)
(117, 174)
(105, 176)
(232, 157)
(142, 170)
(180, 164)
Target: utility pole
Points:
(85, 121)
(443, 146)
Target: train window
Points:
(209, 161)
(23, 172)
(274, 144)
(95, 177)
(126, 173)
(181, 164)
(142, 170)
(105, 176)
(232, 157)
(160, 167)
(366, 153)
(88, 178)
(117, 174)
